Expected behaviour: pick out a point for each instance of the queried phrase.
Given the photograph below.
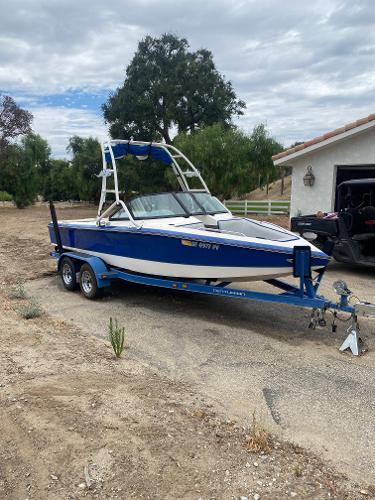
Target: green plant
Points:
(116, 337)
(17, 291)
(30, 310)
(167, 86)
(258, 439)
(4, 196)
(298, 471)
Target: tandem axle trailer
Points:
(93, 275)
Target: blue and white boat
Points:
(187, 234)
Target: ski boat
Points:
(187, 234)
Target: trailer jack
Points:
(353, 341)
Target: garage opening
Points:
(349, 172)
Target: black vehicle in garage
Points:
(349, 236)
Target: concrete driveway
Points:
(244, 356)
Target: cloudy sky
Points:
(303, 67)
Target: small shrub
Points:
(116, 337)
(30, 310)
(4, 196)
(298, 471)
(259, 439)
(17, 291)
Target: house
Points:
(321, 164)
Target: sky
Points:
(302, 67)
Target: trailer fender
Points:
(103, 276)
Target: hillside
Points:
(274, 191)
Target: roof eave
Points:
(319, 145)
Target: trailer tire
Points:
(88, 284)
(68, 271)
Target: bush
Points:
(4, 196)
(116, 337)
(17, 291)
(258, 440)
(30, 310)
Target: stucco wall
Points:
(356, 150)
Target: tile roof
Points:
(325, 136)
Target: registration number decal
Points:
(200, 244)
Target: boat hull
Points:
(164, 253)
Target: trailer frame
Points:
(304, 295)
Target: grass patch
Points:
(30, 310)
(4, 196)
(116, 336)
(258, 439)
(16, 291)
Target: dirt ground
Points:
(75, 422)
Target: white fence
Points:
(264, 207)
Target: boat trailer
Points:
(94, 275)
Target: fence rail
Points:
(265, 207)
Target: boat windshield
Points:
(156, 205)
(210, 204)
(182, 204)
(189, 203)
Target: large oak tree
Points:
(169, 87)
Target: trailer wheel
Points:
(68, 274)
(88, 284)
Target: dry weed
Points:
(258, 440)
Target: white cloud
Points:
(303, 67)
(57, 124)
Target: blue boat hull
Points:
(165, 253)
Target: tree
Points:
(23, 169)
(263, 147)
(38, 152)
(14, 121)
(146, 176)
(167, 87)
(86, 163)
(22, 177)
(223, 157)
(61, 182)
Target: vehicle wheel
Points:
(68, 273)
(88, 284)
(319, 242)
